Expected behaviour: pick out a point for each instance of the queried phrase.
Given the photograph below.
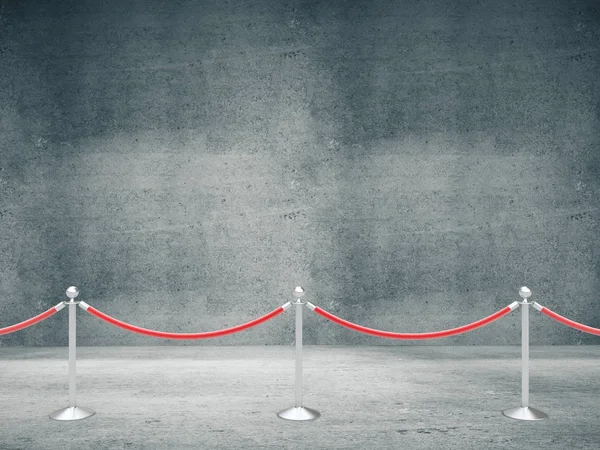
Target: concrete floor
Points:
(409, 397)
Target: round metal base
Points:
(72, 413)
(525, 413)
(299, 413)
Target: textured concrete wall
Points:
(411, 163)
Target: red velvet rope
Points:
(28, 322)
(569, 322)
(166, 335)
(411, 336)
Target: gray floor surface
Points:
(387, 397)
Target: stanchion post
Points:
(72, 412)
(525, 412)
(298, 412)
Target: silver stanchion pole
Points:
(298, 412)
(72, 412)
(525, 412)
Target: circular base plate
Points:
(72, 413)
(525, 413)
(299, 413)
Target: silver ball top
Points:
(299, 292)
(72, 292)
(524, 292)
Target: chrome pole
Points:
(298, 383)
(525, 412)
(298, 412)
(72, 412)
(72, 352)
(525, 354)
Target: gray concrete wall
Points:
(411, 163)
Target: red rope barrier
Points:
(167, 335)
(411, 336)
(33, 320)
(568, 322)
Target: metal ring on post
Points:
(72, 412)
(525, 412)
(298, 412)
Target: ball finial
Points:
(524, 292)
(72, 292)
(299, 292)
